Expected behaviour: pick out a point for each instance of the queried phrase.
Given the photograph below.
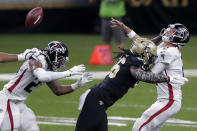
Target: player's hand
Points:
(27, 54)
(77, 70)
(85, 78)
(117, 24)
(178, 80)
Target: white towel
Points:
(82, 99)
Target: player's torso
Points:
(23, 83)
(175, 59)
(119, 80)
(174, 68)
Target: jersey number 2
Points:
(116, 68)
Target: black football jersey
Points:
(118, 81)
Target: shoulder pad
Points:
(167, 55)
(42, 59)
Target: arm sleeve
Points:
(47, 76)
(149, 77)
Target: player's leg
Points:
(103, 123)
(92, 115)
(155, 116)
(164, 116)
(11, 121)
(106, 30)
(119, 36)
(28, 119)
(141, 123)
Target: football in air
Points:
(34, 17)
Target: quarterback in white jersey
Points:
(168, 62)
(42, 67)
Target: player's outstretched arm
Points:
(47, 76)
(5, 57)
(131, 34)
(59, 89)
(149, 77)
(157, 40)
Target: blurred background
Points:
(82, 16)
(77, 23)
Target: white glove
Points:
(85, 78)
(27, 54)
(77, 70)
(178, 80)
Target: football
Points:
(34, 17)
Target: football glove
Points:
(178, 80)
(77, 70)
(27, 54)
(85, 78)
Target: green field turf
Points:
(80, 48)
(44, 103)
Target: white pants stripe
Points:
(10, 116)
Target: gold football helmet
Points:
(145, 49)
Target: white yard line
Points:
(123, 105)
(112, 121)
(120, 105)
(98, 75)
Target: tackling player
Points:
(168, 62)
(41, 68)
(123, 76)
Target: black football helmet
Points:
(57, 54)
(179, 36)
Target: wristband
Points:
(131, 34)
(20, 57)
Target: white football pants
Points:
(19, 116)
(155, 116)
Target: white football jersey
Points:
(24, 82)
(171, 57)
